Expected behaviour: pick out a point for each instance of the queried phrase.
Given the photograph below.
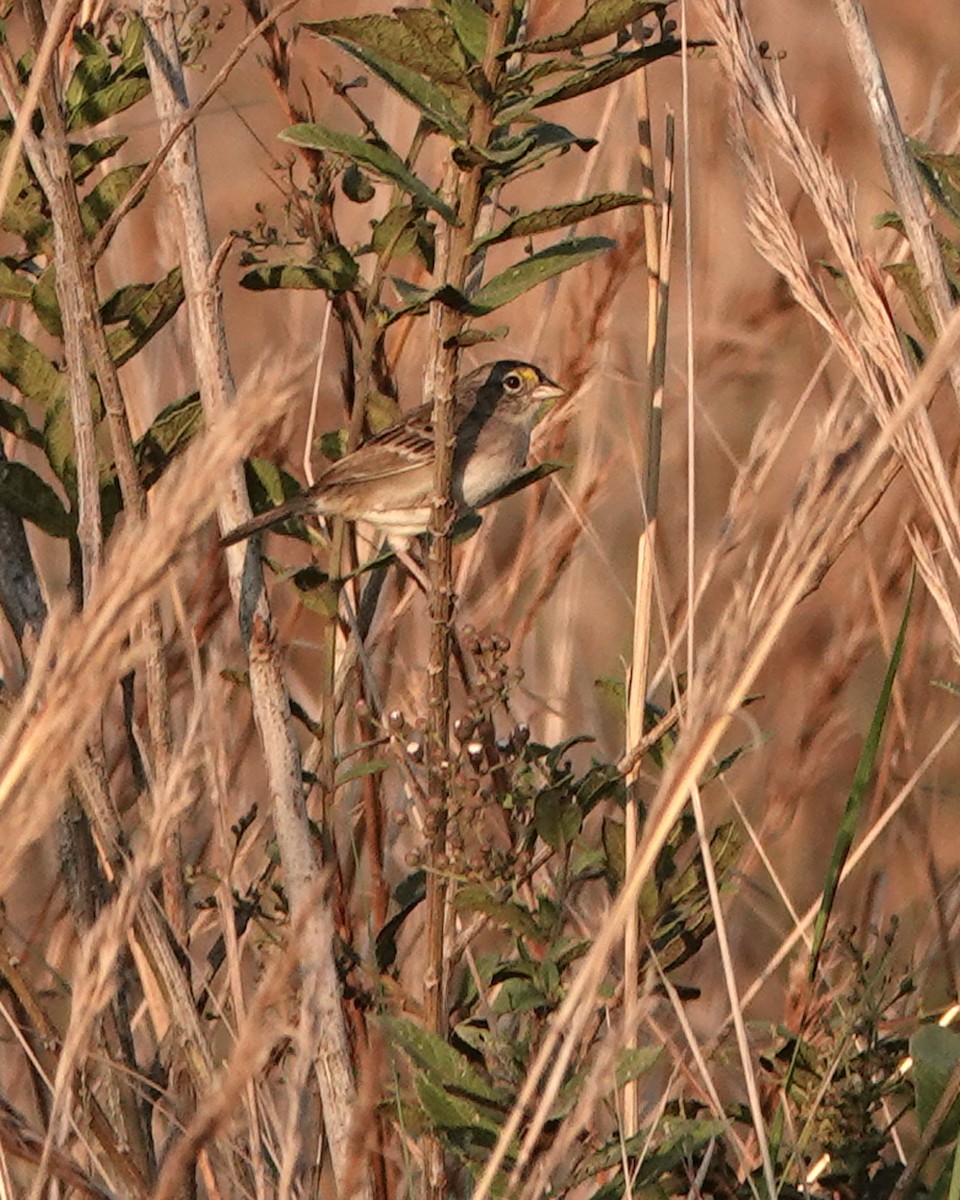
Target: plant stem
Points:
(465, 190)
(321, 1012)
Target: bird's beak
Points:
(546, 393)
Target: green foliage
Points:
(376, 157)
(603, 18)
(940, 176)
(23, 492)
(431, 58)
(516, 803)
(107, 80)
(109, 76)
(936, 1055)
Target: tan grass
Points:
(82, 655)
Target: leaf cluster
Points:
(433, 59)
(534, 838)
(108, 78)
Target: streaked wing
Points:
(405, 447)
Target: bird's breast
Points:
(486, 473)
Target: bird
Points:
(387, 481)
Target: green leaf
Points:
(131, 49)
(91, 73)
(473, 336)
(32, 499)
(508, 914)
(269, 485)
(420, 40)
(26, 212)
(941, 175)
(434, 101)
(936, 1053)
(317, 591)
(409, 895)
(171, 430)
(46, 303)
(415, 299)
(24, 367)
(601, 19)
(537, 144)
(664, 1156)
(15, 420)
(404, 231)
(599, 74)
(471, 1133)
(517, 995)
(469, 24)
(144, 309)
(602, 782)
(558, 217)
(907, 278)
(537, 268)
(58, 438)
(375, 766)
(87, 155)
(858, 790)
(379, 159)
(439, 1061)
(614, 843)
(14, 284)
(99, 203)
(557, 817)
(636, 1062)
(337, 273)
(110, 100)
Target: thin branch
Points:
(179, 128)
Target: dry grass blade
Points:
(96, 978)
(873, 352)
(841, 464)
(87, 652)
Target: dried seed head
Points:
(474, 752)
(396, 721)
(414, 751)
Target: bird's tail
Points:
(297, 507)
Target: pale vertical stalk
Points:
(726, 958)
(657, 279)
(315, 396)
(736, 1006)
(60, 21)
(321, 1010)
(899, 165)
(86, 340)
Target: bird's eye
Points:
(512, 382)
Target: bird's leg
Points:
(401, 550)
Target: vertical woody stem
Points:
(464, 190)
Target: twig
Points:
(179, 128)
(60, 19)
